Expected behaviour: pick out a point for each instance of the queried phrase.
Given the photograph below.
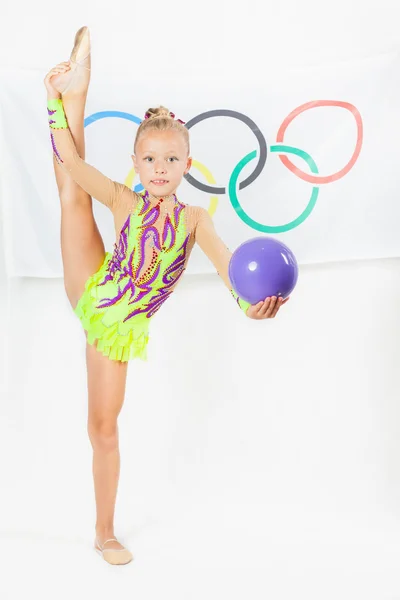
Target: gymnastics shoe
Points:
(114, 556)
(76, 79)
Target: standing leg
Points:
(106, 387)
(83, 252)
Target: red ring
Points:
(319, 178)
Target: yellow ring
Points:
(210, 179)
(130, 177)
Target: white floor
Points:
(197, 556)
(222, 495)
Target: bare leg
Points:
(106, 387)
(82, 247)
(83, 252)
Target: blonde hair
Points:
(161, 119)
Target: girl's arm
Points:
(90, 179)
(217, 252)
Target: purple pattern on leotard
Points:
(168, 228)
(126, 268)
(51, 122)
(56, 154)
(170, 278)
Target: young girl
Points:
(116, 295)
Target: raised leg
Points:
(82, 247)
(83, 252)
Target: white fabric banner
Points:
(308, 156)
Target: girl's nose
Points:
(160, 167)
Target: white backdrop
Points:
(271, 467)
(354, 217)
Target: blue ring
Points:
(119, 115)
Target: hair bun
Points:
(156, 113)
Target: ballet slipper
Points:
(114, 556)
(76, 79)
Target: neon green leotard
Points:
(155, 237)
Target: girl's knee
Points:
(103, 434)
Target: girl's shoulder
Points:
(197, 212)
(128, 199)
(195, 215)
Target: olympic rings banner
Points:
(309, 158)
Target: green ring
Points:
(280, 148)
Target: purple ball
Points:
(263, 267)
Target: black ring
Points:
(260, 138)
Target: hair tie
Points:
(171, 114)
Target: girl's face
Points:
(161, 161)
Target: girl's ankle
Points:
(104, 533)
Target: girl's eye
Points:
(148, 159)
(172, 158)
